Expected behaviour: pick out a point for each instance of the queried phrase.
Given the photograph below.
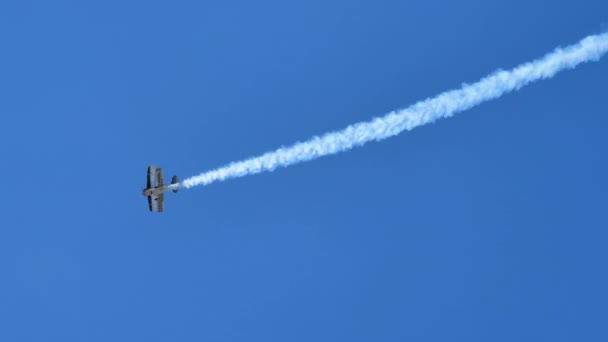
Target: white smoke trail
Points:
(444, 105)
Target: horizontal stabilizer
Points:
(175, 180)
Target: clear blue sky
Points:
(490, 226)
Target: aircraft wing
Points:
(153, 203)
(159, 177)
(160, 202)
(150, 176)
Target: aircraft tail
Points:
(175, 180)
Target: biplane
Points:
(155, 188)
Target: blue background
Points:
(490, 226)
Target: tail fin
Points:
(175, 180)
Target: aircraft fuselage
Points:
(155, 191)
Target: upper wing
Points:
(161, 202)
(152, 203)
(150, 176)
(159, 177)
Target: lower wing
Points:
(152, 203)
(161, 203)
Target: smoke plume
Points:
(444, 105)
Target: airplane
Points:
(156, 193)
